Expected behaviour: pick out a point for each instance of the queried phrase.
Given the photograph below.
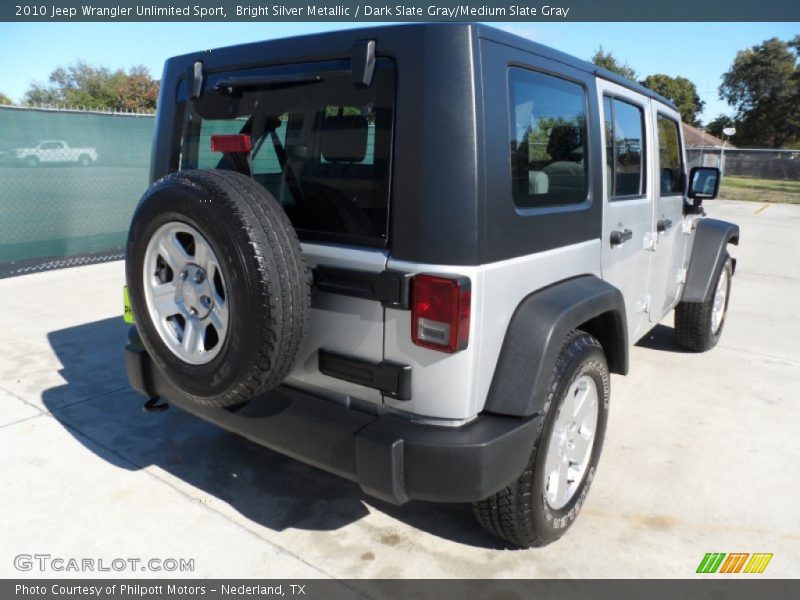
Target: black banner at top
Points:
(402, 10)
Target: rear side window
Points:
(624, 131)
(320, 144)
(548, 139)
(669, 156)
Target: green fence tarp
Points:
(59, 203)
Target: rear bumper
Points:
(391, 458)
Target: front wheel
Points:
(32, 161)
(698, 325)
(543, 503)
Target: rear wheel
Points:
(698, 325)
(32, 161)
(543, 503)
(218, 285)
(84, 160)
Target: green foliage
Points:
(763, 84)
(4, 99)
(82, 84)
(608, 61)
(536, 140)
(716, 126)
(681, 91)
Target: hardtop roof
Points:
(482, 31)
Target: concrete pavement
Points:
(700, 456)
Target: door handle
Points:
(620, 237)
(663, 225)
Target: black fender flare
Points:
(711, 239)
(537, 331)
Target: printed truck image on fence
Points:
(52, 152)
(69, 182)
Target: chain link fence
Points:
(754, 163)
(69, 182)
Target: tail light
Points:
(440, 308)
(239, 142)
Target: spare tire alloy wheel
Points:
(218, 285)
(186, 293)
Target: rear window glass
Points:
(320, 144)
(548, 139)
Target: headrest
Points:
(564, 140)
(344, 138)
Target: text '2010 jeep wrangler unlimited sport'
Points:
(412, 255)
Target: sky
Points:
(700, 51)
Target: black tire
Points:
(693, 320)
(520, 513)
(267, 279)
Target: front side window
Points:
(669, 156)
(319, 143)
(548, 140)
(624, 131)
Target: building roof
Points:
(697, 138)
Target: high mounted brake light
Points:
(440, 309)
(239, 142)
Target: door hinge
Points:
(688, 226)
(643, 304)
(650, 240)
(681, 276)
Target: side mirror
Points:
(703, 184)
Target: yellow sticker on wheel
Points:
(127, 315)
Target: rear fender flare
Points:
(537, 331)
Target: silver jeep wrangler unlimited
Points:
(412, 255)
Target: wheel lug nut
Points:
(183, 274)
(193, 311)
(206, 301)
(199, 277)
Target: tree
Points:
(608, 61)
(4, 99)
(82, 84)
(137, 90)
(763, 84)
(681, 91)
(716, 126)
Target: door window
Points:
(624, 131)
(669, 156)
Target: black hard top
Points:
(482, 31)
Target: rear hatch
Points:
(321, 144)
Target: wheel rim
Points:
(186, 293)
(720, 298)
(569, 449)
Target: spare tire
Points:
(218, 285)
